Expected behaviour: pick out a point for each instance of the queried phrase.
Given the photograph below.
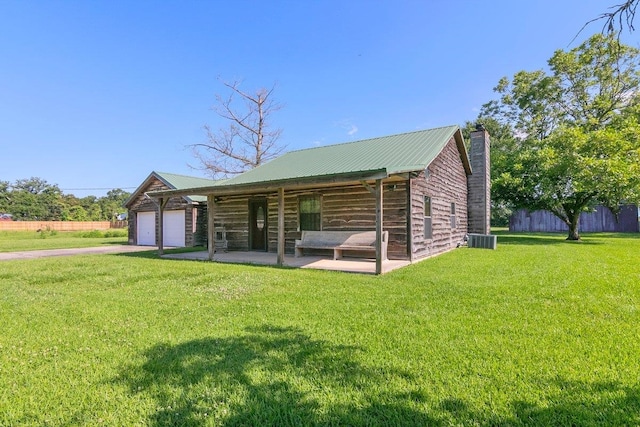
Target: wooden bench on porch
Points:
(339, 241)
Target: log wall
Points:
(349, 207)
(446, 183)
(232, 214)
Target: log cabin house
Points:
(422, 189)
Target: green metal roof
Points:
(175, 183)
(179, 182)
(184, 181)
(394, 154)
(366, 159)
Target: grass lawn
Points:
(539, 332)
(12, 241)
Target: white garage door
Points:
(173, 231)
(146, 223)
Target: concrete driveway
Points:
(115, 249)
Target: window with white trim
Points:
(428, 232)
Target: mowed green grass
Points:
(15, 241)
(539, 332)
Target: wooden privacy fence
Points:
(60, 225)
(600, 220)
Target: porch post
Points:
(379, 228)
(409, 219)
(161, 206)
(211, 232)
(280, 226)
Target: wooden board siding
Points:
(349, 207)
(446, 183)
(144, 204)
(602, 220)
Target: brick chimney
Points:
(479, 183)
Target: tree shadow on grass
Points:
(269, 376)
(579, 404)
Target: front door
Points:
(258, 225)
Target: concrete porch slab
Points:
(349, 265)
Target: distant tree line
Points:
(35, 199)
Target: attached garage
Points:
(184, 218)
(146, 222)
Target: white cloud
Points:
(347, 125)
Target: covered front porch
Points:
(259, 222)
(349, 265)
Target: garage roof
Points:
(174, 182)
(179, 182)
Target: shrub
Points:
(93, 233)
(104, 234)
(46, 232)
(116, 233)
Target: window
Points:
(453, 215)
(309, 213)
(428, 233)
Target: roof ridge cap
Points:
(371, 139)
(179, 174)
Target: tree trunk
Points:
(574, 223)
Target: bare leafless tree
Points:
(248, 140)
(620, 14)
(615, 20)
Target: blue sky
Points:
(97, 94)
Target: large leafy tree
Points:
(113, 203)
(576, 131)
(35, 199)
(5, 198)
(75, 213)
